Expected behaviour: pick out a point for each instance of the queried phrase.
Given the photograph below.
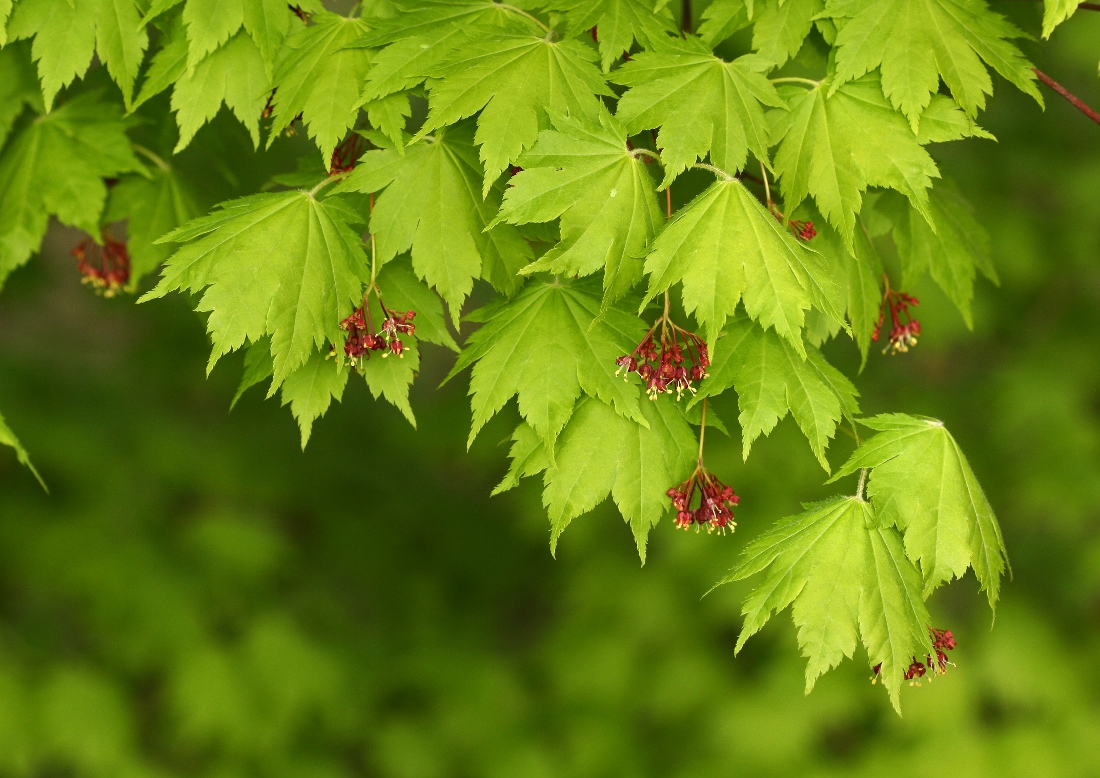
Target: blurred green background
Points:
(197, 597)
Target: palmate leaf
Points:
(921, 483)
(915, 43)
(56, 166)
(849, 581)
(67, 35)
(725, 248)
(18, 87)
(836, 142)
(546, 347)
(618, 23)
(513, 80)
(780, 27)
(599, 454)
(723, 18)
(7, 438)
(585, 174)
(431, 204)
(283, 265)
(1055, 12)
(771, 378)
(701, 103)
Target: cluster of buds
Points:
(713, 500)
(105, 268)
(903, 333)
(942, 642)
(363, 339)
(676, 363)
(803, 230)
(346, 155)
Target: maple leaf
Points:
(772, 378)
(513, 80)
(7, 438)
(780, 27)
(943, 120)
(953, 253)
(618, 23)
(725, 248)
(915, 43)
(67, 36)
(5, 13)
(921, 483)
(836, 142)
(546, 347)
(1055, 12)
(285, 265)
(723, 18)
(431, 204)
(235, 75)
(601, 454)
(848, 580)
(701, 103)
(318, 76)
(56, 166)
(586, 175)
(310, 390)
(168, 64)
(18, 87)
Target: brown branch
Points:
(1074, 100)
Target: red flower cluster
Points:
(362, 339)
(346, 155)
(105, 268)
(903, 335)
(713, 508)
(803, 230)
(942, 642)
(679, 363)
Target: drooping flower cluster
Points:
(713, 502)
(803, 230)
(942, 642)
(106, 268)
(346, 155)
(903, 334)
(675, 362)
(363, 339)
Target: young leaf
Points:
(431, 203)
(268, 22)
(67, 35)
(837, 141)
(586, 175)
(7, 438)
(285, 265)
(391, 377)
(600, 453)
(915, 43)
(943, 121)
(545, 348)
(618, 23)
(18, 87)
(770, 378)
(701, 103)
(780, 27)
(318, 76)
(310, 390)
(56, 165)
(922, 484)
(513, 80)
(848, 579)
(210, 23)
(723, 18)
(725, 247)
(1055, 12)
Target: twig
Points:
(1073, 99)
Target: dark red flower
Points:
(361, 339)
(903, 331)
(675, 361)
(106, 267)
(713, 502)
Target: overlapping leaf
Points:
(585, 174)
(921, 483)
(702, 104)
(283, 265)
(780, 27)
(431, 204)
(618, 23)
(600, 453)
(18, 87)
(723, 18)
(545, 348)
(725, 248)
(849, 581)
(771, 378)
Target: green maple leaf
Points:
(56, 166)
(723, 18)
(546, 347)
(389, 115)
(943, 120)
(235, 75)
(618, 23)
(780, 27)
(599, 454)
(210, 23)
(725, 248)
(310, 390)
(5, 13)
(953, 254)
(168, 65)
(513, 80)
(319, 76)
(269, 22)
(701, 103)
(586, 175)
(7, 438)
(1055, 12)
(67, 36)
(284, 265)
(922, 484)
(848, 580)
(153, 205)
(772, 378)
(834, 143)
(18, 87)
(915, 43)
(431, 203)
